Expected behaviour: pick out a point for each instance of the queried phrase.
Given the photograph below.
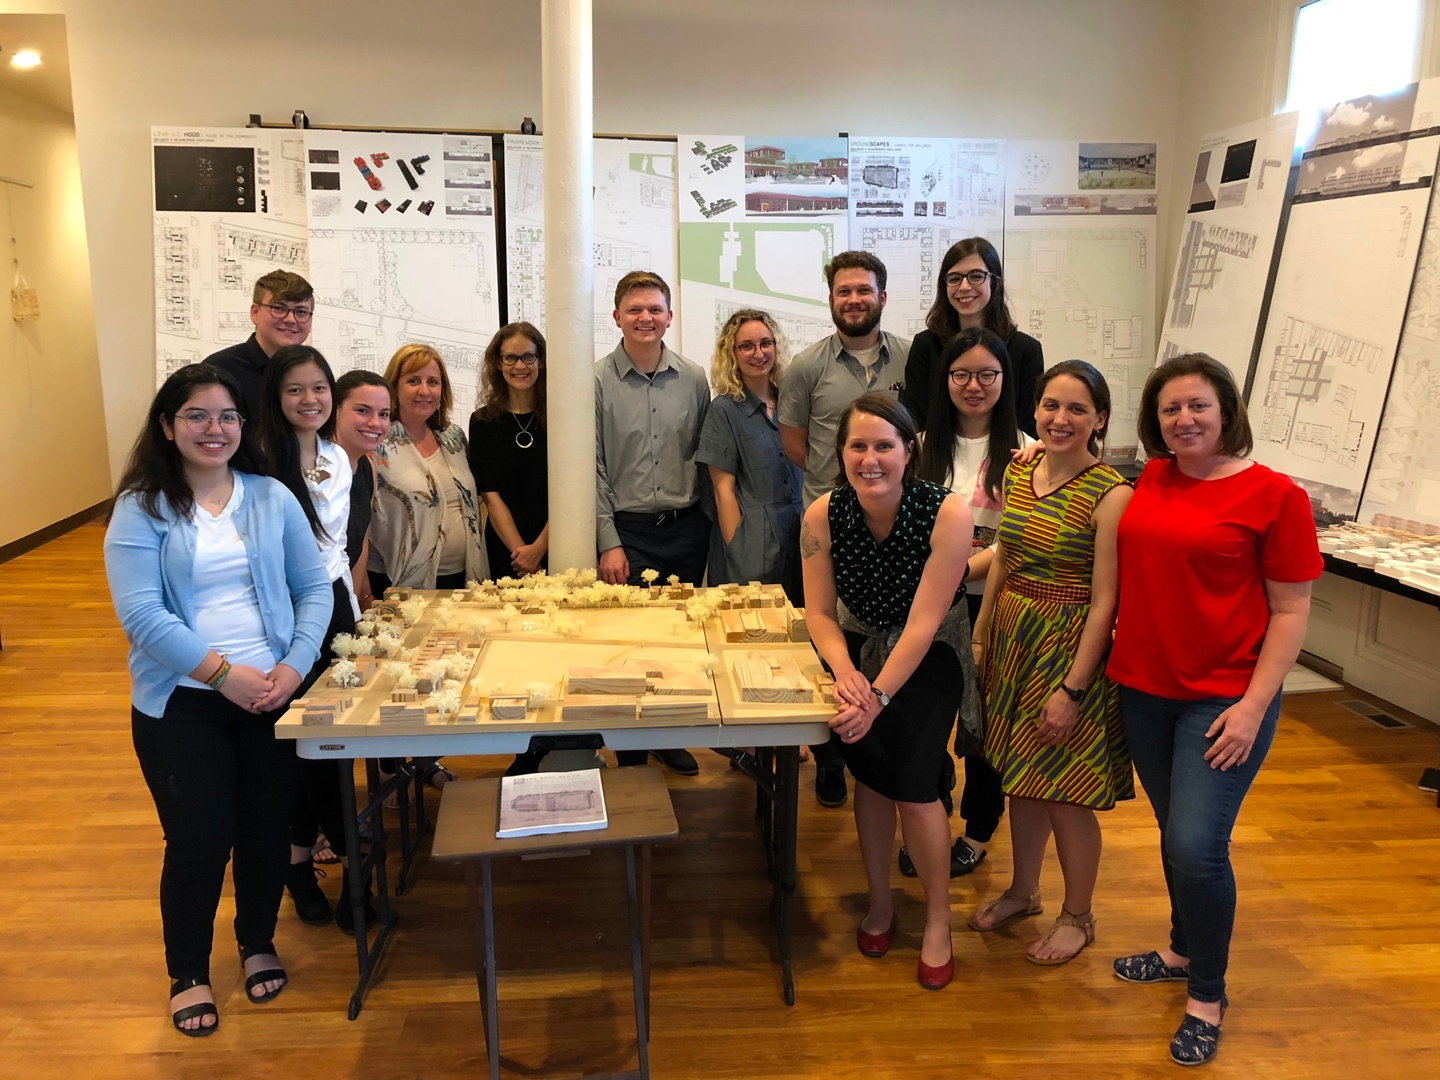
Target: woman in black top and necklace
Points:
(971, 293)
(507, 451)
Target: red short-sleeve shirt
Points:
(1194, 556)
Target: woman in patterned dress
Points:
(884, 561)
(1053, 729)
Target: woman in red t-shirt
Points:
(1216, 556)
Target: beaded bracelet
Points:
(217, 680)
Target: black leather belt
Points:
(655, 518)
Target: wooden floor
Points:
(1335, 970)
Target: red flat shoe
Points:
(876, 945)
(936, 978)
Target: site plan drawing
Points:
(229, 206)
(634, 226)
(402, 250)
(1226, 248)
(732, 257)
(1080, 264)
(1344, 279)
(910, 199)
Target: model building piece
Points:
(825, 686)
(370, 177)
(508, 706)
(412, 712)
(758, 681)
(604, 680)
(754, 625)
(681, 684)
(796, 628)
(678, 710)
(598, 708)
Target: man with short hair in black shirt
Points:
(281, 311)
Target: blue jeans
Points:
(1196, 807)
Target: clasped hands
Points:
(856, 707)
(256, 691)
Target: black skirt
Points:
(903, 754)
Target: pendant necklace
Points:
(524, 432)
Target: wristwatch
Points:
(1076, 696)
(883, 697)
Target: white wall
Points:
(1024, 68)
(52, 421)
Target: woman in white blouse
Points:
(427, 529)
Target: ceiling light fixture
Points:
(25, 58)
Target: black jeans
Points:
(317, 793)
(982, 801)
(221, 782)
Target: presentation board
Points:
(634, 221)
(1080, 262)
(229, 206)
(759, 219)
(1341, 289)
(910, 199)
(1236, 198)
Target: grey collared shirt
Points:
(817, 386)
(647, 429)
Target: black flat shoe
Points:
(311, 907)
(963, 860)
(679, 761)
(261, 977)
(191, 1012)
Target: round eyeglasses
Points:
(974, 277)
(987, 377)
(302, 314)
(198, 420)
(529, 359)
(745, 348)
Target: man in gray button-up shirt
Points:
(858, 358)
(650, 405)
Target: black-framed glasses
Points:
(198, 420)
(302, 314)
(748, 347)
(974, 277)
(529, 359)
(987, 377)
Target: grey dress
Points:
(739, 438)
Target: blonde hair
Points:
(410, 358)
(725, 372)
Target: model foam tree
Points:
(649, 575)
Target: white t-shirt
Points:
(331, 499)
(866, 357)
(968, 478)
(452, 524)
(227, 608)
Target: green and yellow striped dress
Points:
(1049, 546)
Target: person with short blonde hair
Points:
(426, 533)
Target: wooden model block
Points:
(682, 684)
(403, 694)
(404, 713)
(679, 710)
(754, 625)
(508, 706)
(796, 628)
(759, 682)
(825, 685)
(654, 669)
(604, 680)
(598, 708)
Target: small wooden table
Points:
(639, 813)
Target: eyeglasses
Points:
(974, 277)
(961, 377)
(198, 420)
(302, 314)
(529, 359)
(748, 347)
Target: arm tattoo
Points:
(809, 543)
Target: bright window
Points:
(1344, 49)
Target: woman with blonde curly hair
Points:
(757, 489)
(427, 525)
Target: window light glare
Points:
(25, 58)
(1349, 48)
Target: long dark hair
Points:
(279, 438)
(1095, 384)
(944, 319)
(883, 407)
(155, 469)
(937, 455)
(494, 390)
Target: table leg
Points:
(411, 843)
(645, 850)
(787, 784)
(482, 926)
(366, 954)
(638, 966)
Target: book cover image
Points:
(551, 803)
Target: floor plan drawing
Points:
(634, 226)
(229, 207)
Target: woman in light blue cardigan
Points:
(219, 588)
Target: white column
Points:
(567, 118)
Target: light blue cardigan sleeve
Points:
(135, 550)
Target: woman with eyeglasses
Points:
(508, 454)
(427, 525)
(219, 586)
(757, 488)
(971, 293)
(968, 441)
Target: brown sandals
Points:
(1085, 922)
(1032, 907)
